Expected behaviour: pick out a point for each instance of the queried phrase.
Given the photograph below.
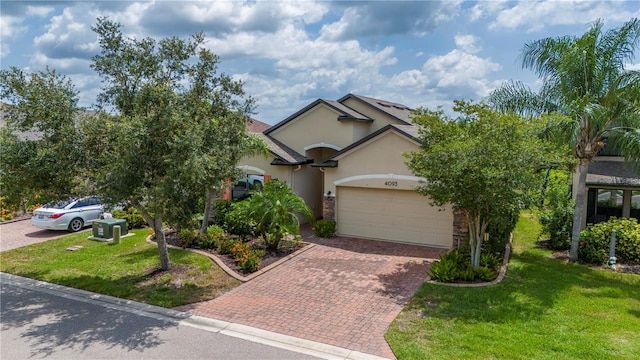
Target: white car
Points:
(72, 214)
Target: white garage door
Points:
(394, 215)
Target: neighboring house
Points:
(613, 189)
(345, 158)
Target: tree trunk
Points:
(209, 199)
(163, 252)
(158, 231)
(476, 233)
(577, 215)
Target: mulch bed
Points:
(286, 248)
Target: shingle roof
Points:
(255, 126)
(612, 173)
(283, 154)
(396, 110)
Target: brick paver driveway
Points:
(21, 233)
(343, 292)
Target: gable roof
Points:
(398, 111)
(408, 131)
(283, 154)
(346, 113)
(255, 126)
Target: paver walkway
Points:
(20, 233)
(343, 292)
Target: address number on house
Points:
(391, 183)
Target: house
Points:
(613, 189)
(345, 159)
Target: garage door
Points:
(393, 215)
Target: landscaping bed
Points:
(266, 258)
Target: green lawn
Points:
(125, 270)
(543, 309)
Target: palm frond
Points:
(516, 97)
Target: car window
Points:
(80, 203)
(58, 204)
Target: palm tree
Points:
(584, 80)
(275, 210)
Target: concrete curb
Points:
(501, 274)
(244, 332)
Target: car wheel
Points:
(76, 225)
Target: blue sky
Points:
(290, 53)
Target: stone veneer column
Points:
(460, 229)
(329, 207)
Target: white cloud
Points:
(384, 18)
(11, 21)
(486, 9)
(67, 38)
(467, 43)
(9, 27)
(462, 70)
(536, 15)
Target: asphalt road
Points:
(39, 323)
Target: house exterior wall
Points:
(264, 163)
(307, 183)
(318, 125)
(381, 156)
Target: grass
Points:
(543, 309)
(127, 270)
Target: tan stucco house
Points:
(345, 158)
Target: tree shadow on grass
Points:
(533, 285)
(50, 323)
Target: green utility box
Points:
(104, 228)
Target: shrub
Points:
(499, 230)
(467, 274)
(119, 214)
(247, 259)
(456, 265)
(556, 214)
(187, 237)
(211, 238)
(490, 261)
(225, 246)
(324, 228)
(133, 217)
(221, 208)
(444, 270)
(459, 257)
(238, 222)
(595, 239)
(485, 273)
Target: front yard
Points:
(126, 270)
(544, 309)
